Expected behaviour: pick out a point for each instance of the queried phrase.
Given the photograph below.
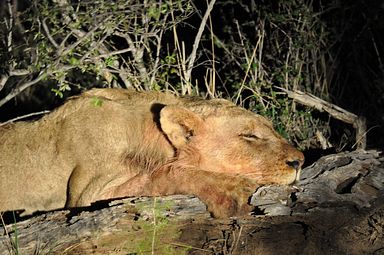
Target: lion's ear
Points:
(179, 124)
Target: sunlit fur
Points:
(141, 143)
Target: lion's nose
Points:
(296, 164)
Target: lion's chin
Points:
(286, 179)
(293, 179)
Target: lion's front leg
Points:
(224, 195)
(82, 188)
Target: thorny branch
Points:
(88, 46)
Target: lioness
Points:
(111, 143)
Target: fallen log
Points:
(338, 208)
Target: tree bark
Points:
(338, 208)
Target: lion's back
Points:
(132, 97)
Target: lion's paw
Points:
(230, 199)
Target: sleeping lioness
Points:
(113, 143)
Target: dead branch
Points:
(358, 122)
(21, 88)
(24, 117)
(192, 56)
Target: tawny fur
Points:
(141, 144)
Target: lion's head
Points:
(218, 136)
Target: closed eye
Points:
(249, 137)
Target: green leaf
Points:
(98, 102)
(74, 61)
(58, 93)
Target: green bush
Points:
(248, 52)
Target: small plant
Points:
(152, 233)
(97, 101)
(158, 231)
(14, 237)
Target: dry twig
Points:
(335, 111)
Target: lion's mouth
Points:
(298, 175)
(291, 178)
